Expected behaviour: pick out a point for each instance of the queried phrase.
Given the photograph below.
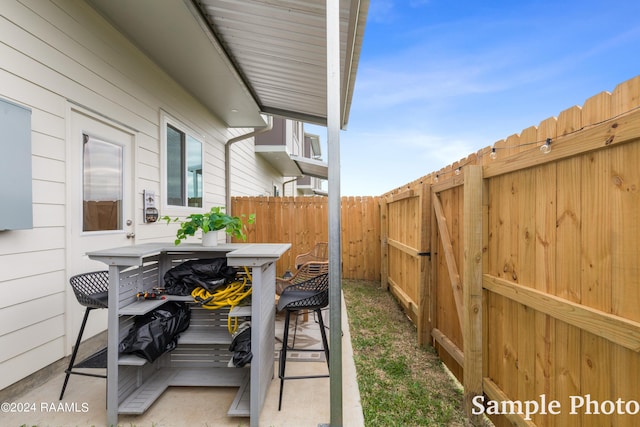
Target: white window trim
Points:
(167, 209)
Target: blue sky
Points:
(441, 79)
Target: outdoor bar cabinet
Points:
(201, 357)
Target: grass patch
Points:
(400, 383)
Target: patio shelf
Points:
(240, 311)
(131, 360)
(144, 396)
(141, 307)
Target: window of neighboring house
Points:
(297, 141)
(183, 168)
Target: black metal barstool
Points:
(92, 291)
(313, 295)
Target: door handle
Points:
(131, 235)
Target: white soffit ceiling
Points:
(245, 57)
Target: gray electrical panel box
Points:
(16, 211)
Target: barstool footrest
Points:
(95, 361)
(304, 377)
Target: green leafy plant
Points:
(213, 220)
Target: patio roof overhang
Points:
(244, 58)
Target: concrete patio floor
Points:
(305, 402)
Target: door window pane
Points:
(102, 185)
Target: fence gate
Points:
(405, 224)
(446, 285)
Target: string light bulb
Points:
(546, 148)
(436, 178)
(458, 171)
(493, 154)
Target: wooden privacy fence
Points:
(303, 222)
(523, 268)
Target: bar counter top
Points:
(134, 254)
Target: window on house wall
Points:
(183, 168)
(296, 130)
(15, 167)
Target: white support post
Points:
(335, 252)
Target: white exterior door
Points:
(100, 205)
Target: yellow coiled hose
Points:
(229, 296)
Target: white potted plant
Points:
(210, 222)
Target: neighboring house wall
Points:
(290, 134)
(285, 132)
(244, 180)
(60, 59)
(276, 136)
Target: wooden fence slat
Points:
(596, 375)
(566, 345)
(524, 272)
(512, 145)
(625, 96)
(569, 121)
(596, 109)
(596, 246)
(548, 128)
(545, 190)
(624, 383)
